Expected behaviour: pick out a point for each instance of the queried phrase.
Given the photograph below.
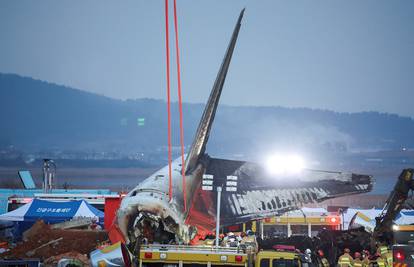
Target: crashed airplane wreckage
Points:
(148, 212)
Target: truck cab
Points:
(277, 259)
(403, 248)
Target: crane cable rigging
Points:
(179, 103)
(167, 47)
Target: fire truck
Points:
(156, 255)
(403, 250)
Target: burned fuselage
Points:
(149, 212)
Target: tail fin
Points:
(203, 131)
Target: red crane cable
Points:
(167, 47)
(180, 106)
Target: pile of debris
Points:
(43, 242)
(73, 258)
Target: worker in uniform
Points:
(221, 240)
(388, 258)
(308, 254)
(324, 262)
(386, 255)
(209, 239)
(346, 259)
(231, 240)
(357, 260)
(94, 225)
(380, 261)
(365, 255)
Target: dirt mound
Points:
(77, 241)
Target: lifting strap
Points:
(180, 105)
(167, 48)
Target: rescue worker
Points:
(380, 260)
(388, 258)
(221, 236)
(382, 250)
(231, 240)
(209, 239)
(386, 255)
(239, 237)
(346, 259)
(324, 262)
(357, 260)
(94, 225)
(365, 261)
(249, 233)
(308, 254)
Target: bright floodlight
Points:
(288, 164)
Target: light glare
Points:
(289, 164)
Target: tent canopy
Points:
(404, 217)
(52, 212)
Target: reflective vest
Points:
(345, 260)
(357, 263)
(381, 262)
(388, 258)
(325, 262)
(383, 250)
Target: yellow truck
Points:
(186, 256)
(195, 256)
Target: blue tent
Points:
(50, 212)
(53, 211)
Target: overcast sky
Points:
(339, 55)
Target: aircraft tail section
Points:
(203, 131)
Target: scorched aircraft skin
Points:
(148, 212)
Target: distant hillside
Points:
(37, 116)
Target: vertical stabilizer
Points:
(203, 131)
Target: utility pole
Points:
(218, 215)
(49, 171)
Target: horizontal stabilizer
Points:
(260, 194)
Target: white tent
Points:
(404, 217)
